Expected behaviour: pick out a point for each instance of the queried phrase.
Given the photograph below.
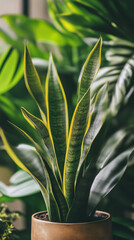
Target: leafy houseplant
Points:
(72, 184)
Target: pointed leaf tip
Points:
(90, 69)
(33, 83)
(50, 56)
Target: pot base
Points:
(96, 230)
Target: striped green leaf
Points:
(90, 69)
(41, 128)
(27, 158)
(58, 193)
(33, 83)
(83, 187)
(76, 134)
(42, 151)
(57, 113)
(98, 116)
(95, 187)
(53, 184)
(80, 121)
(78, 210)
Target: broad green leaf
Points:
(110, 148)
(57, 113)
(10, 40)
(4, 55)
(7, 105)
(43, 131)
(90, 69)
(98, 117)
(18, 75)
(107, 179)
(23, 189)
(38, 30)
(19, 177)
(6, 76)
(33, 83)
(9, 76)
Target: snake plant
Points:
(71, 182)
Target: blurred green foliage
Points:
(75, 25)
(6, 227)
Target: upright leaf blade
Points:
(80, 121)
(58, 193)
(77, 212)
(76, 134)
(33, 83)
(90, 69)
(97, 119)
(83, 186)
(57, 113)
(44, 133)
(43, 152)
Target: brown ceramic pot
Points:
(97, 230)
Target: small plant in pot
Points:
(72, 184)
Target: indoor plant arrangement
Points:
(72, 184)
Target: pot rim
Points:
(81, 223)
